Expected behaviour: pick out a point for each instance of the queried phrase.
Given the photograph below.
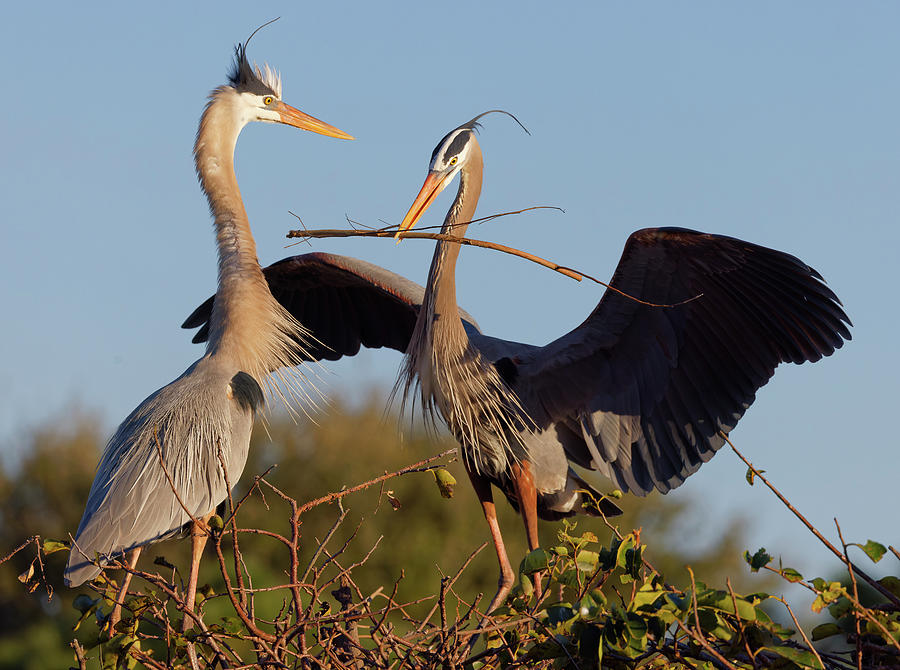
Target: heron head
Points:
(258, 91)
(449, 157)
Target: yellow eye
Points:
(453, 161)
(268, 100)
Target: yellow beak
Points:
(434, 184)
(294, 117)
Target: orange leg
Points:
(483, 490)
(199, 535)
(527, 495)
(123, 590)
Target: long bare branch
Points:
(845, 560)
(391, 232)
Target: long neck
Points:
(247, 325)
(440, 295)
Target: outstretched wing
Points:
(641, 392)
(344, 302)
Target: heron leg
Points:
(482, 488)
(526, 492)
(116, 613)
(199, 535)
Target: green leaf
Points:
(598, 597)
(758, 560)
(839, 608)
(534, 561)
(680, 603)
(745, 610)
(51, 546)
(801, 657)
(824, 630)
(791, 575)
(560, 613)
(628, 542)
(525, 583)
(646, 595)
(712, 623)
(891, 583)
(544, 651)
(751, 473)
(84, 603)
(445, 482)
(587, 560)
(569, 578)
(874, 550)
(233, 625)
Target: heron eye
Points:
(268, 100)
(453, 160)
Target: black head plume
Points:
(461, 138)
(245, 78)
(474, 125)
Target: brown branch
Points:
(698, 636)
(845, 560)
(415, 467)
(236, 551)
(577, 275)
(238, 608)
(169, 477)
(800, 630)
(740, 622)
(855, 595)
(33, 538)
(75, 644)
(452, 582)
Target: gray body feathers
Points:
(188, 421)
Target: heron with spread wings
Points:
(166, 467)
(637, 392)
(640, 393)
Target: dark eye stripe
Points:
(456, 146)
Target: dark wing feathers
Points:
(649, 388)
(344, 302)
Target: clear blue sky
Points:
(774, 122)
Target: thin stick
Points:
(698, 636)
(855, 595)
(845, 560)
(800, 629)
(33, 538)
(577, 275)
(415, 467)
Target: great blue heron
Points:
(162, 470)
(639, 393)
(636, 392)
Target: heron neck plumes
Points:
(440, 291)
(480, 409)
(247, 324)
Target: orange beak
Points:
(294, 117)
(434, 184)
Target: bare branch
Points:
(845, 560)
(577, 275)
